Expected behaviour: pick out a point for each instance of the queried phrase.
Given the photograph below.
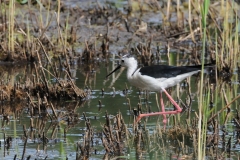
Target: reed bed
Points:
(56, 39)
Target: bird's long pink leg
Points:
(163, 109)
(178, 109)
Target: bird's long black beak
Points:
(118, 67)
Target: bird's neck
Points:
(131, 70)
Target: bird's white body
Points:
(149, 83)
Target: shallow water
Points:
(111, 101)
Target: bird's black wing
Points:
(165, 71)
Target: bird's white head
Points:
(126, 61)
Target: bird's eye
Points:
(122, 61)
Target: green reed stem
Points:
(202, 127)
(11, 26)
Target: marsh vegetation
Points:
(57, 104)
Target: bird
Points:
(156, 78)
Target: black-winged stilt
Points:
(156, 78)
